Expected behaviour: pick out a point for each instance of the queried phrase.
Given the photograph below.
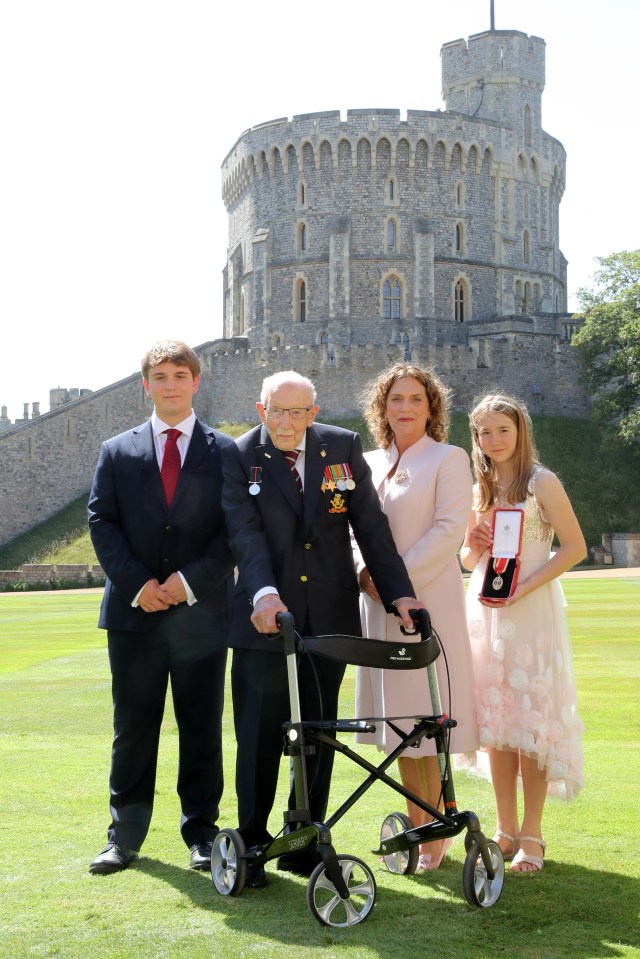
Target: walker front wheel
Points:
(478, 889)
(228, 870)
(405, 861)
(325, 902)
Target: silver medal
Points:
(497, 583)
(351, 484)
(254, 489)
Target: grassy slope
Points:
(603, 484)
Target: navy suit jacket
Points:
(303, 548)
(137, 537)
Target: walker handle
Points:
(423, 624)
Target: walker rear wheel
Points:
(325, 902)
(228, 870)
(478, 889)
(405, 861)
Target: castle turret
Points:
(497, 75)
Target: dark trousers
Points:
(141, 665)
(260, 706)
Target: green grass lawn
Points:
(55, 738)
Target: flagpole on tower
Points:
(493, 19)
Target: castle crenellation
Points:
(359, 241)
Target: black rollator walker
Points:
(342, 890)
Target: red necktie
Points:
(170, 470)
(291, 456)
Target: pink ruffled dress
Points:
(523, 665)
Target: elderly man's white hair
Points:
(289, 377)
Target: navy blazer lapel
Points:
(143, 444)
(272, 460)
(314, 464)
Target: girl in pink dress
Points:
(525, 689)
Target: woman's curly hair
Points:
(374, 402)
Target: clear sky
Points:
(115, 118)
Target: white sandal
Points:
(521, 856)
(507, 856)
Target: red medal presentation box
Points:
(501, 576)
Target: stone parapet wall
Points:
(50, 576)
(623, 547)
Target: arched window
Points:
(302, 301)
(302, 237)
(459, 238)
(460, 195)
(391, 299)
(302, 194)
(525, 246)
(391, 234)
(460, 301)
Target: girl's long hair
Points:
(524, 457)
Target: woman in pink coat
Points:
(425, 489)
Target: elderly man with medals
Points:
(292, 489)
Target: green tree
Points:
(608, 342)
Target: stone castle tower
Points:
(356, 243)
(438, 230)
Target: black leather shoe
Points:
(256, 876)
(201, 855)
(300, 863)
(113, 858)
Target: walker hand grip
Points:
(285, 623)
(287, 631)
(423, 623)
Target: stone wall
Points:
(33, 576)
(47, 463)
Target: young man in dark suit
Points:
(289, 532)
(157, 526)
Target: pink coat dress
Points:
(427, 502)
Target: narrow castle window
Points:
(526, 206)
(527, 124)
(391, 299)
(525, 246)
(302, 238)
(460, 301)
(460, 196)
(391, 234)
(301, 301)
(301, 194)
(459, 238)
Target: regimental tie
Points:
(170, 470)
(291, 456)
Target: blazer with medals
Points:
(301, 545)
(137, 537)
